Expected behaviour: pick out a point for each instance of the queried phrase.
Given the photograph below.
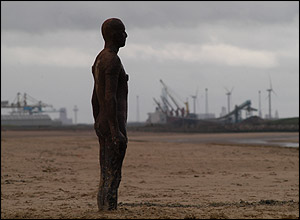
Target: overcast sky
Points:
(48, 48)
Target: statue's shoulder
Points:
(109, 61)
(108, 55)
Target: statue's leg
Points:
(116, 161)
(111, 160)
(103, 174)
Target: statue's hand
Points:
(97, 129)
(119, 139)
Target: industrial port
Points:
(25, 110)
(169, 109)
(174, 114)
(170, 114)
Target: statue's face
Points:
(120, 35)
(113, 30)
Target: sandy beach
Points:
(55, 174)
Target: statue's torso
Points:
(100, 74)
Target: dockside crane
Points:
(21, 105)
(179, 108)
(159, 106)
(167, 105)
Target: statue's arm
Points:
(95, 103)
(111, 85)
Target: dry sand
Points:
(55, 174)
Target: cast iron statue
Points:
(109, 102)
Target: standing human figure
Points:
(109, 102)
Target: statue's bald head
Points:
(112, 30)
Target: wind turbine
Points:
(228, 97)
(270, 90)
(195, 97)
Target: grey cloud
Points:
(51, 15)
(44, 16)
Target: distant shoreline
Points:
(280, 125)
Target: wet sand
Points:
(55, 174)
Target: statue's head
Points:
(113, 31)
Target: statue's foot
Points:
(104, 205)
(106, 208)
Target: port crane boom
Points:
(158, 104)
(21, 104)
(168, 92)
